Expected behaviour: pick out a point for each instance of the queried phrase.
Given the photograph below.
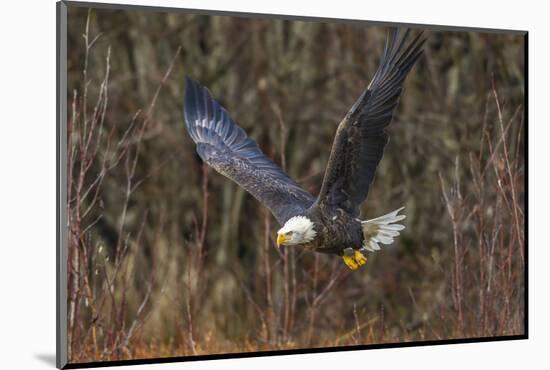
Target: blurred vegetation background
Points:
(167, 257)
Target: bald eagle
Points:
(329, 223)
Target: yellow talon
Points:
(353, 262)
(360, 258)
(350, 261)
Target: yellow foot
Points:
(355, 261)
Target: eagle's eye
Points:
(289, 233)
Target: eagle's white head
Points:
(297, 230)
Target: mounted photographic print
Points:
(237, 184)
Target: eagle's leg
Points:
(353, 258)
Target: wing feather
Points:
(360, 139)
(225, 146)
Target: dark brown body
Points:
(336, 230)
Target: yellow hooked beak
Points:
(281, 239)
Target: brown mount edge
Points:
(166, 9)
(300, 351)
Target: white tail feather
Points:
(382, 230)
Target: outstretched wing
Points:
(225, 146)
(360, 139)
